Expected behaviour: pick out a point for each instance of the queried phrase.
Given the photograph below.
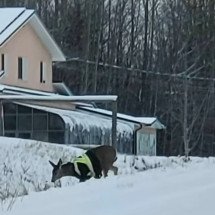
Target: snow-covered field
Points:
(170, 186)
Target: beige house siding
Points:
(26, 44)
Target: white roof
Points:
(22, 91)
(147, 121)
(18, 93)
(12, 19)
(8, 15)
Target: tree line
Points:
(157, 55)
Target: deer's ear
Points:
(52, 163)
(60, 162)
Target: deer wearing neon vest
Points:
(91, 164)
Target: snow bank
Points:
(24, 164)
(180, 188)
(25, 168)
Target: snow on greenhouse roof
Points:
(147, 121)
(86, 120)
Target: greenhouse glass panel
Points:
(24, 122)
(10, 122)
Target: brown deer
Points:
(91, 164)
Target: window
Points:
(2, 62)
(20, 68)
(42, 72)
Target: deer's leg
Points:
(114, 169)
(105, 172)
(82, 180)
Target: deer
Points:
(93, 163)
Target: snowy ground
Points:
(169, 186)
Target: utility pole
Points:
(2, 73)
(114, 123)
(2, 119)
(185, 128)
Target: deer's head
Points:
(57, 172)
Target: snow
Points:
(9, 15)
(145, 185)
(11, 90)
(60, 98)
(130, 195)
(87, 120)
(22, 91)
(148, 121)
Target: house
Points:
(27, 52)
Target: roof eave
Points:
(158, 125)
(47, 39)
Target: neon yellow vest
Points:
(84, 159)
